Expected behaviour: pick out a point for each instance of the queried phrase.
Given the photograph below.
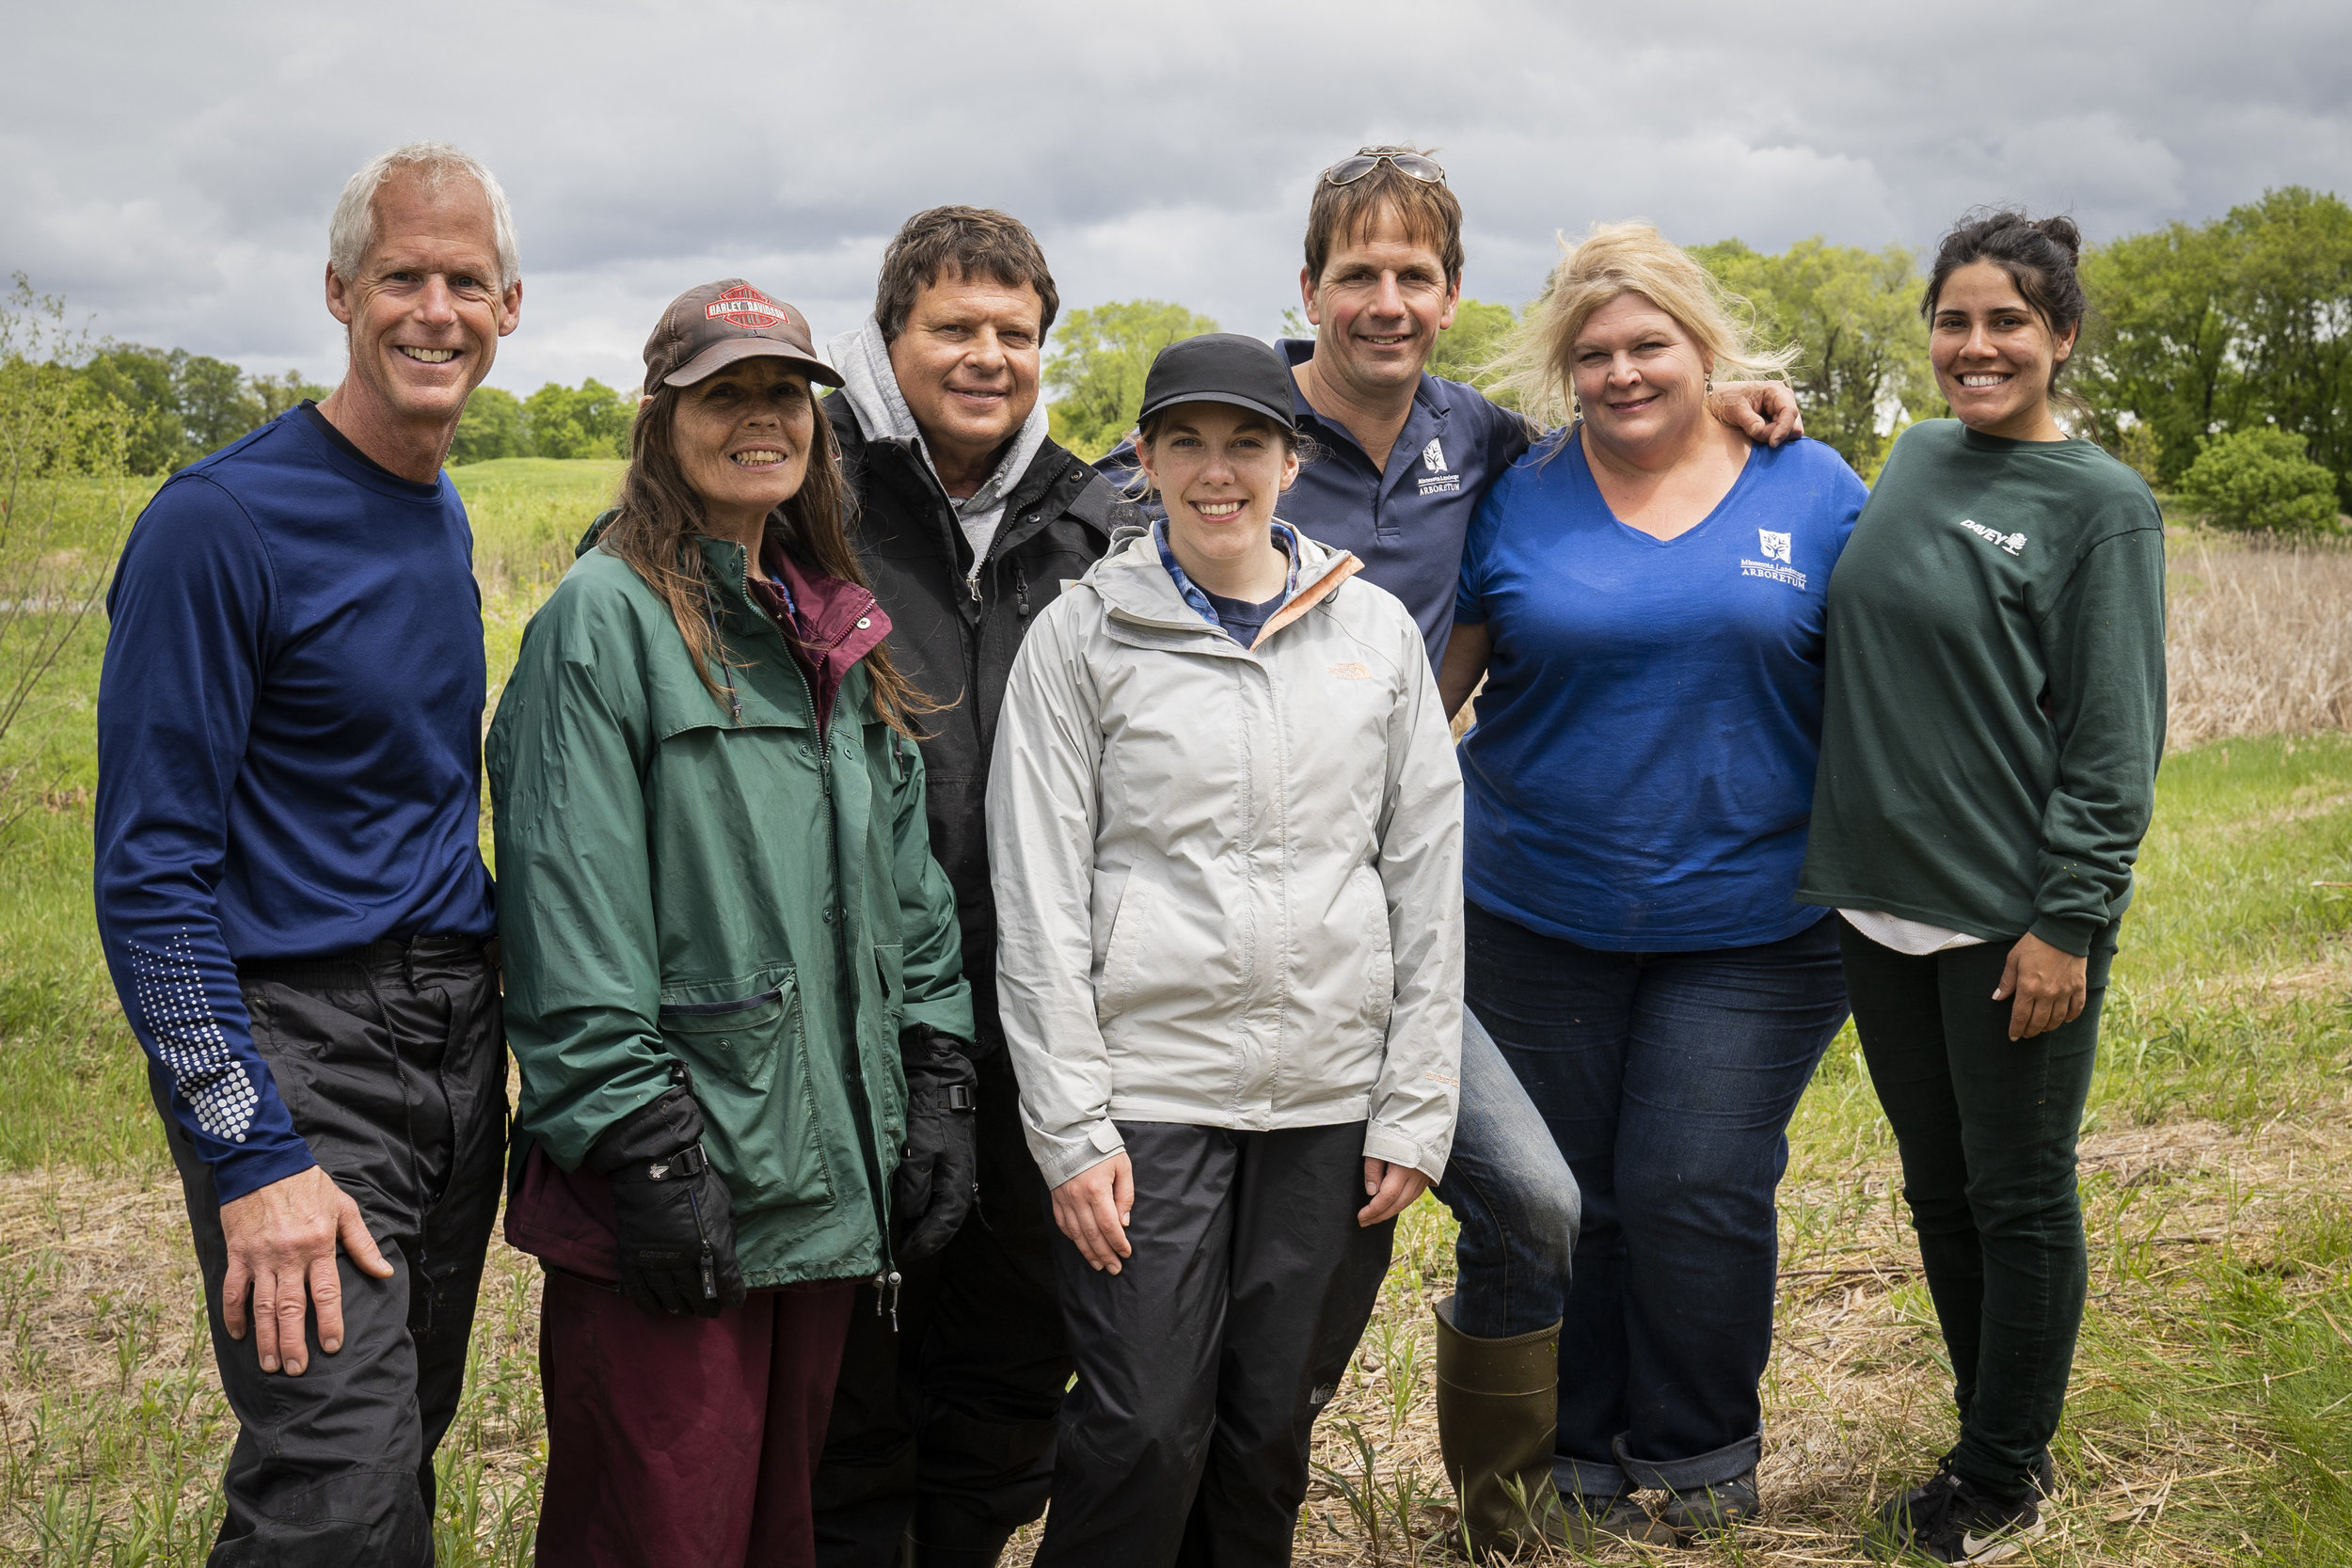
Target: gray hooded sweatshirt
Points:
(863, 358)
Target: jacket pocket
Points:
(1122, 909)
(748, 1059)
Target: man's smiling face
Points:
(427, 310)
(967, 362)
(1379, 306)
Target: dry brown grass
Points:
(2259, 639)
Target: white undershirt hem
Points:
(1914, 938)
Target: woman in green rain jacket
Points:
(732, 977)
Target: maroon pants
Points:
(685, 1441)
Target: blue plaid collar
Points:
(1284, 536)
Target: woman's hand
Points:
(2050, 986)
(1093, 1207)
(1391, 1189)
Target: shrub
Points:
(2259, 480)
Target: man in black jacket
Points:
(941, 1438)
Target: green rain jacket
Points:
(743, 894)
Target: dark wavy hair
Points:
(2041, 256)
(661, 514)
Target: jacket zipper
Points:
(886, 1278)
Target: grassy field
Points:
(2212, 1414)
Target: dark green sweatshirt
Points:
(1996, 704)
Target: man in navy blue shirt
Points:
(290, 887)
(1401, 460)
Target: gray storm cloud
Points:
(169, 168)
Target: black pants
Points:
(945, 1425)
(1203, 1363)
(1987, 1128)
(393, 1065)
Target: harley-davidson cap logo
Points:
(746, 307)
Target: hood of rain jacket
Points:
(1229, 880)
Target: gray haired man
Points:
(289, 889)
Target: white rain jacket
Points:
(1229, 880)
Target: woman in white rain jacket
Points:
(1225, 833)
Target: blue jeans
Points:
(1506, 1182)
(1667, 1080)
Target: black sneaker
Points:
(1950, 1519)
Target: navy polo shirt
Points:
(1407, 522)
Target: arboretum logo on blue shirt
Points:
(1439, 481)
(2014, 543)
(1776, 550)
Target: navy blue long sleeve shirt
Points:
(289, 753)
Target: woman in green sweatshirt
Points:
(1995, 715)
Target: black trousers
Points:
(1987, 1127)
(393, 1065)
(942, 1427)
(1203, 1363)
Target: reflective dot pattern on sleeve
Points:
(188, 1038)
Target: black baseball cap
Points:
(708, 328)
(1220, 367)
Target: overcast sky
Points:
(169, 168)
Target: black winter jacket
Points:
(956, 644)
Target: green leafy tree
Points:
(278, 393)
(216, 404)
(2294, 307)
(2236, 324)
(2259, 480)
(1100, 357)
(2159, 352)
(1854, 315)
(587, 420)
(491, 427)
(141, 381)
(1466, 349)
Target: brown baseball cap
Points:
(712, 326)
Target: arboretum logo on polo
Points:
(1436, 482)
(1774, 546)
(746, 307)
(2014, 543)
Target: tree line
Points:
(2218, 361)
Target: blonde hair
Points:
(1617, 259)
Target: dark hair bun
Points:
(2063, 230)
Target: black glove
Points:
(939, 1169)
(672, 1210)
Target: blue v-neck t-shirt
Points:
(1640, 775)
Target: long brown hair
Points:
(661, 514)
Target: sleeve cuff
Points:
(2067, 936)
(1387, 1143)
(1062, 1155)
(247, 1171)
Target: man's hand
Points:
(1762, 411)
(1391, 1189)
(1093, 1208)
(281, 1240)
(2050, 985)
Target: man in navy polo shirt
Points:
(1400, 460)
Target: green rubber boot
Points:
(1498, 1406)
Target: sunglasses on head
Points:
(1411, 165)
